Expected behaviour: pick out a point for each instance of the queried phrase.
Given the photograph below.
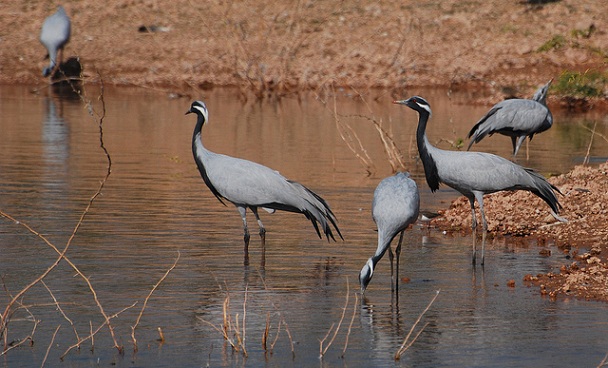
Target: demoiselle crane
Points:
(395, 206)
(475, 173)
(54, 35)
(250, 185)
(517, 118)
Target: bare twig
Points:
(93, 333)
(405, 345)
(48, 349)
(244, 318)
(61, 310)
(29, 337)
(350, 137)
(350, 326)
(325, 338)
(146, 301)
(266, 331)
(586, 160)
(293, 352)
(341, 317)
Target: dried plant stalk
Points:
(48, 349)
(405, 345)
(147, 298)
(352, 320)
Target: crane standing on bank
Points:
(54, 35)
(475, 173)
(517, 118)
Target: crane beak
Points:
(400, 102)
(188, 112)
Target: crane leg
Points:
(397, 254)
(262, 235)
(243, 212)
(484, 223)
(517, 142)
(391, 257)
(473, 217)
(262, 228)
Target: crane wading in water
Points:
(250, 185)
(475, 173)
(54, 35)
(516, 118)
(395, 206)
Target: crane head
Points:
(199, 108)
(365, 276)
(417, 103)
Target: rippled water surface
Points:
(155, 207)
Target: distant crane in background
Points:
(475, 173)
(250, 185)
(395, 206)
(54, 35)
(517, 118)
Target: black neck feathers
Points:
(430, 166)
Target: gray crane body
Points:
(475, 173)
(54, 35)
(247, 184)
(395, 206)
(515, 118)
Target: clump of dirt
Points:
(520, 213)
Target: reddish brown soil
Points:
(282, 46)
(276, 47)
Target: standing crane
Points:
(54, 35)
(249, 185)
(517, 118)
(395, 206)
(475, 173)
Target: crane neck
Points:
(197, 135)
(428, 161)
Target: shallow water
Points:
(155, 206)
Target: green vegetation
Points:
(558, 41)
(591, 83)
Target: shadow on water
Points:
(155, 205)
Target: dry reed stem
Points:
(350, 326)
(277, 335)
(61, 310)
(350, 137)
(239, 333)
(93, 333)
(395, 157)
(92, 336)
(281, 321)
(48, 349)
(29, 337)
(293, 352)
(148, 297)
(325, 338)
(244, 319)
(404, 346)
(341, 317)
(586, 159)
(266, 331)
